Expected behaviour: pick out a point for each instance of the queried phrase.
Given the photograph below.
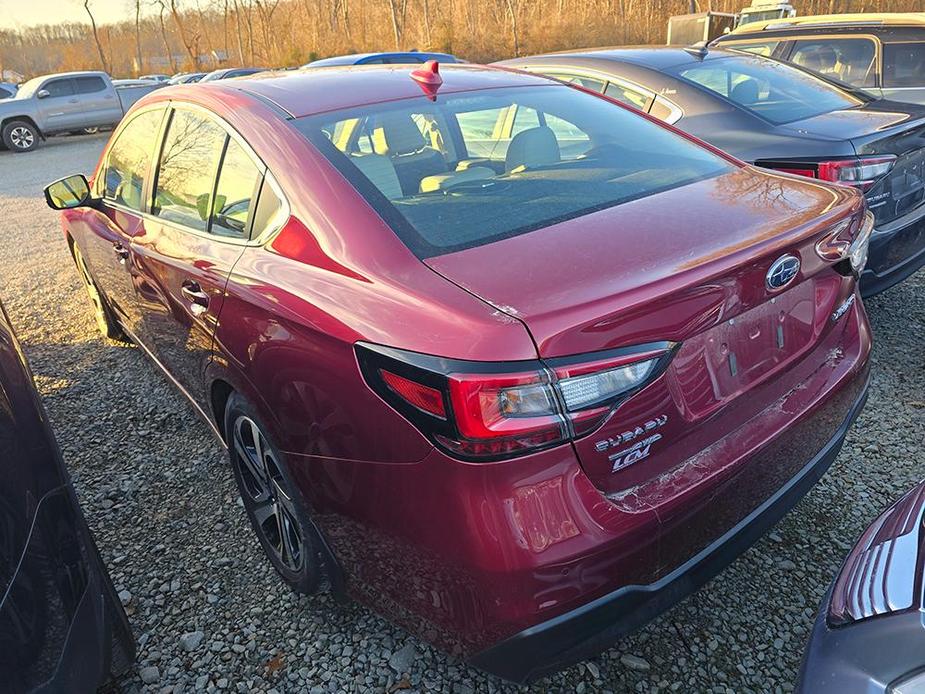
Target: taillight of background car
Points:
(861, 173)
(492, 411)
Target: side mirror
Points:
(42, 93)
(68, 193)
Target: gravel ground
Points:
(206, 607)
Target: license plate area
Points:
(735, 355)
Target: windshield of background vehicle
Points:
(774, 91)
(472, 168)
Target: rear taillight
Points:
(880, 574)
(861, 173)
(492, 411)
(848, 239)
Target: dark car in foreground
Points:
(62, 627)
(519, 393)
(880, 52)
(394, 58)
(869, 635)
(780, 117)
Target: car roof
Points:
(354, 58)
(315, 90)
(72, 73)
(655, 57)
(857, 19)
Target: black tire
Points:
(105, 320)
(20, 136)
(277, 511)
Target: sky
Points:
(22, 13)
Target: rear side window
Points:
(763, 48)
(853, 61)
(186, 174)
(237, 189)
(533, 157)
(775, 91)
(129, 159)
(89, 85)
(63, 87)
(628, 95)
(903, 64)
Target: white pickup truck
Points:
(65, 102)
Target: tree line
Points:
(185, 35)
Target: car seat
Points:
(531, 148)
(398, 137)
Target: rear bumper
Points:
(895, 254)
(583, 631)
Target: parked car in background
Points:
(882, 53)
(780, 117)
(230, 72)
(869, 635)
(556, 378)
(8, 90)
(61, 103)
(187, 78)
(62, 627)
(395, 58)
(155, 78)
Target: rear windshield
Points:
(775, 91)
(475, 167)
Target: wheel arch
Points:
(27, 119)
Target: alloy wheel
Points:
(273, 506)
(22, 137)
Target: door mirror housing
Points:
(68, 193)
(42, 93)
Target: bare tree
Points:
(139, 57)
(163, 25)
(190, 40)
(96, 39)
(512, 15)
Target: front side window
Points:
(63, 87)
(852, 61)
(129, 160)
(580, 154)
(904, 65)
(186, 173)
(775, 91)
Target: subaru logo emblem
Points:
(782, 272)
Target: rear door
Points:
(204, 202)
(98, 102)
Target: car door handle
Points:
(121, 252)
(199, 300)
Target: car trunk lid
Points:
(687, 266)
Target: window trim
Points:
(677, 113)
(168, 107)
(878, 52)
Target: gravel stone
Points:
(190, 642)
(150, 674)
(634, 662)
(130, 439)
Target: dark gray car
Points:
(870, 632)
(781, 117)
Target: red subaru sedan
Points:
(516, 365)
